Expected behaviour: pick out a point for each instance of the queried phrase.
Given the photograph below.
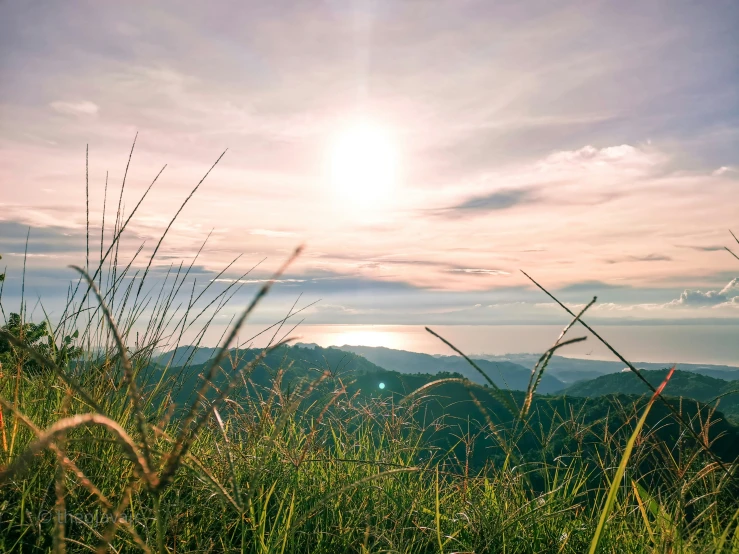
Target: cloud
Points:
(624, 159)
(591, 286)
(724, 170)
(271, 233)
(651, 258)
(254, 281)
(647, 258)
(587, 176)
(499, 200)
(727, 295)
(75, 108)
(612, 306)
(480, 271)
(335, 309)
(41, 240)
(703, 248)
(31, 255)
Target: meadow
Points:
(102, 451)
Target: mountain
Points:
(505, 374)
(186, 355)
(300, 363)
(561, 371)
(366, 382)
(571, 370)
(309, 361)
(683, 384)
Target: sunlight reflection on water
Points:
(714, 344)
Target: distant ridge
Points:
(191, 355)
(506, 375)
(561, 371)
(571, 370)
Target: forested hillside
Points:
(683, 384)
(311, 375)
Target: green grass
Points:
(93, 459)
(262, 480)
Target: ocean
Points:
(710, 344)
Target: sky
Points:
(594, 145)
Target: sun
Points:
(363, 163)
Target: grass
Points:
(95, 458)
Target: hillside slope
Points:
(683, 384)
(450, 401)
(300, 364)
(506, 375)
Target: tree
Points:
(36, 336)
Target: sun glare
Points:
(367, 337)
(363, 163)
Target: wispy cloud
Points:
(644, 258)
(724, 170)
(84, 108)
(271, 233)
(624, 159)
(699, 248)
(480, 271)
(498, 200)
(255, 281)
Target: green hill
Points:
(683, 384)
(310, 359)
(549, 415)
(300, 364)
(452, 402)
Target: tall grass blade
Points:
(174, 218)
(130, 378)
(52, 434)
(616, 481)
